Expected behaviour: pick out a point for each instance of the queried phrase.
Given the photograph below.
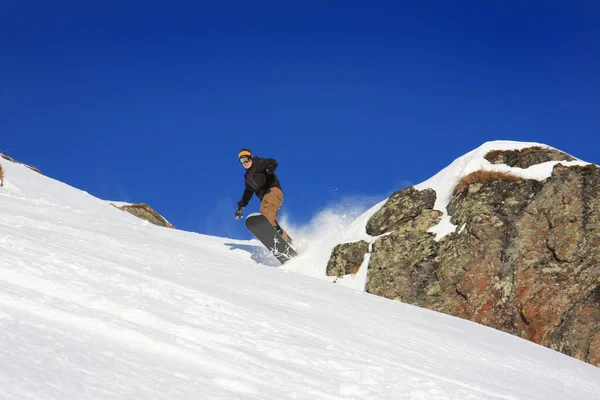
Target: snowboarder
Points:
(261, 179)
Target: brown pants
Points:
(271, 203)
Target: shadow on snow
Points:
(257, 253)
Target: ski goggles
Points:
(245, 159)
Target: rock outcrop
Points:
(145, 212)
(346, 258)
(525, 258)
(403, 265)
(402, 206)
(527, 157)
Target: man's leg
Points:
(269, 207)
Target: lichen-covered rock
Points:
(503, 198)
(556, 263)
(527, 157)
(402, 267)
(579, 333)
(525, 259)
(402, 206)
(402, 264)
(474, 267)
(145, 212)
(346, 258)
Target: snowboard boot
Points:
(283, 234)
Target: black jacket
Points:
(259, 179)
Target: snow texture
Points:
(97, 304)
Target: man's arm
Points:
(267, 165)
(248, 192)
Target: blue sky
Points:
(150, 102)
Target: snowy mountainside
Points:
(97, 304)
(443, 183)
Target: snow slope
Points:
(97, 304)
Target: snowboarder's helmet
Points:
(244, 153)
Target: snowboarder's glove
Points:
(239, 213)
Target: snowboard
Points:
(261, 227)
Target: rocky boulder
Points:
(402, 206)
(402, 265)
(524, 259)
(346, 258)
(556, 261)
(527, 157)
(145, 212)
